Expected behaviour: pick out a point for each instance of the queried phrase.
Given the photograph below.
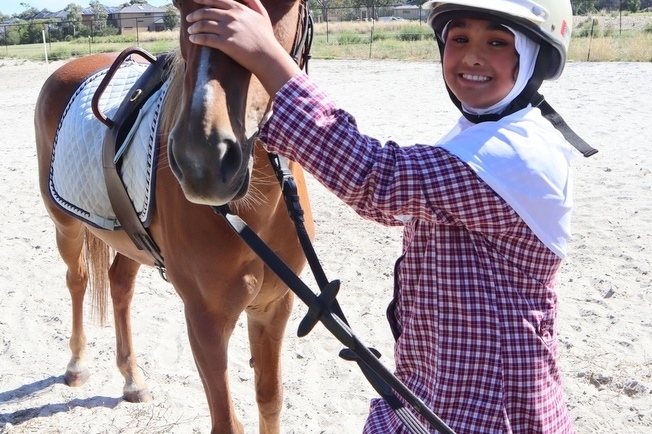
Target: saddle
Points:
(105, 176)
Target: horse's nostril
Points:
(232, 156)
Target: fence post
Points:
(620, 25)
(371, 37)
(327, 20)
(588, 54)
(45, 50)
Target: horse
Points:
(207, 158)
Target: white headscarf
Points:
(527, 50)
(529, 171)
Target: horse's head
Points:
(215, 111)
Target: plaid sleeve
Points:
(381, 182)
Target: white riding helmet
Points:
(545, 21)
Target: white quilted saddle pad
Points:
(76, 176)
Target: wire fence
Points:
(353, 31)
(31, 32)
(399, 32)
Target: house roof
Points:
(109, 10)
(139, 8)
(45, 14)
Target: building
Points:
(138, 17)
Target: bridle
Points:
(300, 50)
(300, 53)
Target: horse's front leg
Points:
(122, 277)
(209, 333)
(266, 326)
(212, 311)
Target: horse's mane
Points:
(171, 107)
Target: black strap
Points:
(558, 122)
(148, 83)
(291, 197)
(300, 51)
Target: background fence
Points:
(364, 33)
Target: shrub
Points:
(589, 27)
(414, 33)
(348, 38)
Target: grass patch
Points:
(628, 48)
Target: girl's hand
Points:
(243, 31)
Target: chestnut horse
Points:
(207, 157)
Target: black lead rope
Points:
(324, 307)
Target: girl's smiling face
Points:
(480, 61)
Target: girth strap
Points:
(119, 126)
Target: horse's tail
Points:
(97, 256)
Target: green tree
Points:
(100, 15)
(631, 5)
(28, 13)
(170, 19)
(73, 19)
(31, 33)
(74, 13)
(583, 7)
(12, 35)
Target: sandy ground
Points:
(605, 287)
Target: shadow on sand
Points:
(19, 416)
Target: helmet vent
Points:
(540, 12)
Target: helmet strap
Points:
(560, 124)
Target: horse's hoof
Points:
(137, 396)
(76, 379)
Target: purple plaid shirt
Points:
(474, 306)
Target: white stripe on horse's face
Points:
(203, 93)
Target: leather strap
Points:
(145, 86)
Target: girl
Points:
(485, 210)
